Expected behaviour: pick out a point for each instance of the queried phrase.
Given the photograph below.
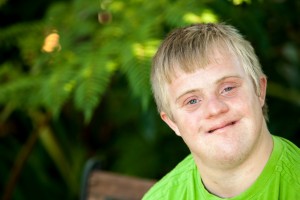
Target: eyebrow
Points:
(226, 77)
(217, 82)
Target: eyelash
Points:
(230, 88)
(193, 100)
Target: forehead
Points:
(218, 64)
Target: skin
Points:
(219, 116)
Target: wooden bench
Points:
(103, 185)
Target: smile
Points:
(222, 126)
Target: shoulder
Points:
(174, 180)
(290, 152)
(289, 165)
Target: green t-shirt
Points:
(280, 179)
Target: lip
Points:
(221, 126)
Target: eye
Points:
(228, 89)
(193, 101)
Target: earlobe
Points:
(170, 122)
(263, 90)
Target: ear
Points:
(263, 90)
(170, 123)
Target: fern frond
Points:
(22, 92)
(93, 81)
(137, 65)
(56, 89)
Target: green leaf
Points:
(93, 81)
(57, 88)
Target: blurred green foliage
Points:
(87, 93)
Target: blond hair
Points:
(190, 48)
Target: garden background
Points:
(74, 84)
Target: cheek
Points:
(249, 109)
(188, 119)
(246, 101)
(189, 126)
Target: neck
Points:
(232, 181)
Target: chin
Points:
(229, 156)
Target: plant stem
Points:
(19, 164)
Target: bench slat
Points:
(104, 185)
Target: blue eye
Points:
(228, 89)
(193, 101)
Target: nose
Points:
(214, 106)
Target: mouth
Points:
(222, 126)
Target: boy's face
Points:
(217, 112)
